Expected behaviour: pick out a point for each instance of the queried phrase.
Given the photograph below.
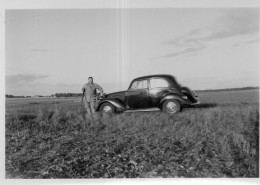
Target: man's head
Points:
(90, 79)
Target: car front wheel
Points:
(107, 109)
(171, 106)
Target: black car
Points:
(148, 93)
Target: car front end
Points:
(190, 96)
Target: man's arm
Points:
(83, 88)
(99, 88)
(83, 94)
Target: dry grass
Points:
(56, 141)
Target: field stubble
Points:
(54, 140)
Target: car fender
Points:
(191, 94)
(117, 104)
(173, 97)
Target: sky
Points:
(51, 51)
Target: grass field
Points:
(49, 138)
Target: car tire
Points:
(171, 106)
(107, 109)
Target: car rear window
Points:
(158, 82)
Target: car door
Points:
(157, 89)
(137, 95)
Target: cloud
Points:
(252, 41)
(236, 44)
(22, 79)
(39, 50)
(233, 23)
(185, 51)
(247, 42)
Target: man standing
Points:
(89, 89)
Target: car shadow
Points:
(204, 105)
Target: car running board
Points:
(143, 110)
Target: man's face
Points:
(90, 80)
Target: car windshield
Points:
(139, 84)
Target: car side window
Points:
(158, 82)
(139, 84)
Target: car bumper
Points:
(196, 103)
(188, 102)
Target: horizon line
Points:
(198, 90)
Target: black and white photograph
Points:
(131, 92)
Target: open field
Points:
(50, 138)
(243, 96)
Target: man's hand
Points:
(83, 94)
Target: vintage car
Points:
(149, 93)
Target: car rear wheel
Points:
(107, 109)
(171, 106)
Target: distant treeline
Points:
(12, 96)
(66, 95)
(58, 95)
(228, 89)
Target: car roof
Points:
(156, 75)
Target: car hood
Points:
(119, 94)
